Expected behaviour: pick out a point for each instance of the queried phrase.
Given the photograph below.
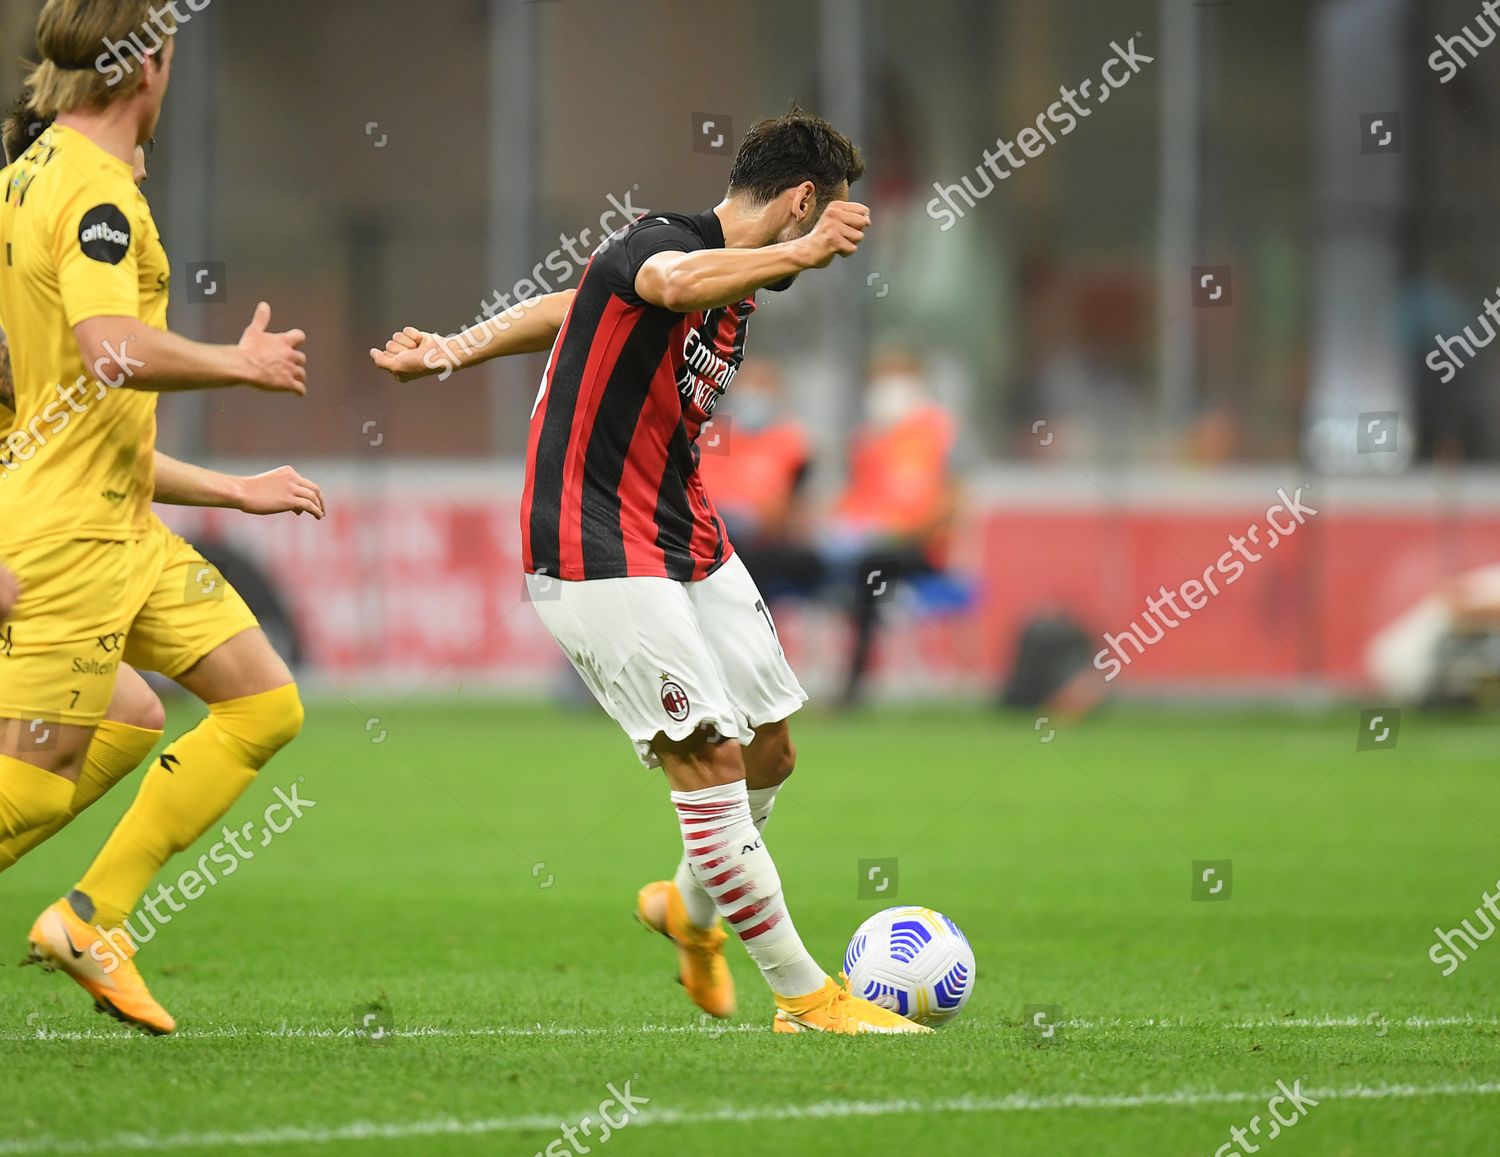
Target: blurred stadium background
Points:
(1113, 418)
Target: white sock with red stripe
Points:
(728, 858)
(762, 800)
(698, 903)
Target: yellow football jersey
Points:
(77, 241)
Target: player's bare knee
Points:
(727, 761)
(771, 757)
(703, 759)
(150, 715)
(135, 704)
(786, 760)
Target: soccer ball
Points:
(913, 961)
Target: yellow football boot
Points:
(103, 967)
(701, 966)
(833, 1008)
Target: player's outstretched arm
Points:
(709, 278)
(528, 327)
(281, 491)
(126, 352)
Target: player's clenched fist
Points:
(837, 234)
(274, 361)
(406, 355)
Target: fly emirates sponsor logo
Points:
(705, 375)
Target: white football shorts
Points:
(666, 657)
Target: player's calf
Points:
(195, 782)
(727, 856)
(771, 757)
(39, 761)
(30, 797)
(769, 761)
(130, 730)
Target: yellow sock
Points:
(196, 780)
(116, 751)
(29, 797)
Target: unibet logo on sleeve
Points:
(104, 234)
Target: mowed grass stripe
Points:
(822, 1110)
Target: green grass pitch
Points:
(470, 878)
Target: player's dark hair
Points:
(22, 127)
(780, 152)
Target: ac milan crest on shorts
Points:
(674, 700)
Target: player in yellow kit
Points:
(83, 297)
(133, 725)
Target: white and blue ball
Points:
(913, 961)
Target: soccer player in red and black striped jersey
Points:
(628, 563)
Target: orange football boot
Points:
(701, 966)
(102, 966)
(833, 1008)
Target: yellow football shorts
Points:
(154, 603)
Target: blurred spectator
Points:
(892, 521)
(1444, 651)
(1455, 416)
(1084, 372)
(755, 463)
(756, 467)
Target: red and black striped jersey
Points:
(612, 482)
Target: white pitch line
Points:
(1369, 1019)
(285, 1031)
(819, 1111)
(423, 1031)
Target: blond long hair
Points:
(93, 51)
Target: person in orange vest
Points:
(755, 461)
(893, 519)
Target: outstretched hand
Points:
(281, 491)
(276, 361)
